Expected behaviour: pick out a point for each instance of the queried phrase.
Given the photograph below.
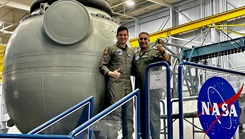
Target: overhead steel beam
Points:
(18, 4)
(160, 2)
(231, 14)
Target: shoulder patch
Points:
(106, 50)
(104, 58)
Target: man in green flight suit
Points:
(142, 59)
(116, 66)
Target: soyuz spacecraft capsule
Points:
(52, 59)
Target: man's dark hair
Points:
(121, 28)
(144, 33)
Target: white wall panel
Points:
(236, 3)
(132, 32)
(192, 14)
(153, 26)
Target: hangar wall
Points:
(188, 11)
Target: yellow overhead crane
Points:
(2, 49)
(231, 14)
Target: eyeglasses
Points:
(143, 39)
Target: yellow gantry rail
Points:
(2, 49)
(223, 28)
(231, 14)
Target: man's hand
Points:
(160, 47)
(115, 74)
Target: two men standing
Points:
(117, 65)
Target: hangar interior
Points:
(207, 32)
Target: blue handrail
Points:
(31, 136)
(180, 68)
(111, 108)
(169, 110)
(164, 122)
(52, 121)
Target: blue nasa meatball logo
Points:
(218, 108)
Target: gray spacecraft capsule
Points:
(51, 61)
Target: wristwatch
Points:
(163, 52)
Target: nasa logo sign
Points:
(218, 108)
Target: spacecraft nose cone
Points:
(67, 22)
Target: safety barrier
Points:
(31, 136)
(169, 106)
(181, 115)
(34, 133)
(87, 125)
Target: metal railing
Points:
(34, 133)
(169, 110)
(108, 110)
(31, 136)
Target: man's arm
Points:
(115, 74)
(105, 60)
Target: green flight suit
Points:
(141, 61)
(115, 57)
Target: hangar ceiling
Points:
(12, 11)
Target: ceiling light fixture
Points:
(130, 3)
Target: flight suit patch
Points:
(137, 58)
(104, 58)
(130, 55)
(145, 55)
(120, 52)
